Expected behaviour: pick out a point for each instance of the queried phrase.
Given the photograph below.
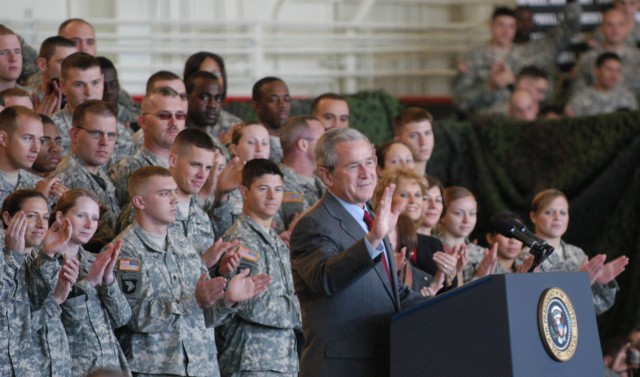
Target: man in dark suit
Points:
(341, 265)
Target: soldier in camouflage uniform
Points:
(260, 339)
(84, 68)
(174, 305)
(93, 137)
(486, 72)
(29, 65)
(272, 104)
(126, 115)
(158, 104)
(302, 188)
(607, 95)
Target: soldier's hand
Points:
(230, 178)
(593, 267)
(209, 290)
(213, 253)
(229, 263)
(526, 264)
(96, 272)
(108, 276)
(240, 288)
(261, 283)
(489, 262)
(57, 236)
(612, 269)
(14, 235)
(66, 279)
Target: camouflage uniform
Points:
(630, 57)
(120, 171)
(29, 61)
(89, 315)
(476, 253)
(26, 180)
(138, 139)
(128, 109)
(222, 129)
(224, 214)
(124, 145)
(471, 88)
(275, 149)
(570, 258)
(32, 338)
(168, 333)
(261, 335)
(300, 193)
(589, 101)
(73, 175)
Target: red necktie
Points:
(368, 220)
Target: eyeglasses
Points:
(95, 134)
(166, 115)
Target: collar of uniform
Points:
(267, 236)
(152, 246)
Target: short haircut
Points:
(325, 153)
(192, 137)
(605, 57)
(105, 63)
(141, 176)
(331, 96)
(49, 45)
(236, 131)
(163, 91)
(92, 106)
(453, 193)
(13, 203)
(9, 117)
(190, 82)
(497, 218)
(408, 115)
(503, 11)
(396, 176)
(6, 31)
(534, 72)
(78, 60)
(293, 129)
(13, 92)
(160, 76)
(66, 23)
(256, 93)
(193, 65)
(258, 167)
(545, 197)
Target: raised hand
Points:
(57, 236)
(593, 267)
(386, 217)
(213, 253)
(108, 276)
(66, 279)
(14, 235)
(229, 263)
(261, 283)
(240, 288)
(447, 263)
(230, 178)
(209, 187)
(97, 270)
(488, 263)
(209, 290)
(612, 269)
(526, 264)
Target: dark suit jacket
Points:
(346, 297)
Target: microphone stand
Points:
(540, 253)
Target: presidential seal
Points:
(558, 324)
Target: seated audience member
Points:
(267, 321)
(128, 116)
(394, 155)
(413, 128)
(210, 62)
(302, 188)
(615, 31)
(16, 97)
(97, 305)
(332, 110)
(432, 208)
(607, 94)
(93, 138)
(205, 103)
(630, 9)
(531, 79)
(550, 216)
(11, 62)
(49, 156)
(409, 193)
(171, 327)
(614, 355)
(249, 140)
(508, 248)
(523, 106)
(272, 103)
(487, 71)
(525, 24)
(457, 223)
(162, 118)
(21, 134)
(34, 337)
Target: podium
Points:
(490, 327)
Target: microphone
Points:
(513, 229)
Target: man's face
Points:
(82, 35)
(524, 21)
(23, 145)
(160, 199)
(354, 177)
(205, 102)
(523, 106)
(49, 155)
(53, 65)
(537, 86)
(111, 87)
(94, 150)
(274, 104)
(333, 113)
(161, 133)
(81, 85)
(614, 27)
(179, 87)
(263, 198)
(418, 136)
(608, 74)
(503, 30)
(628, 7)
(191, 168)
(10, 58)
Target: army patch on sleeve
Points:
(130, 283)
(248, 254)
(128, 265)
(292, 197)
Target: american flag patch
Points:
(132, 265)
(247, 254)
(292, 197)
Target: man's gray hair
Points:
(325, 153)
